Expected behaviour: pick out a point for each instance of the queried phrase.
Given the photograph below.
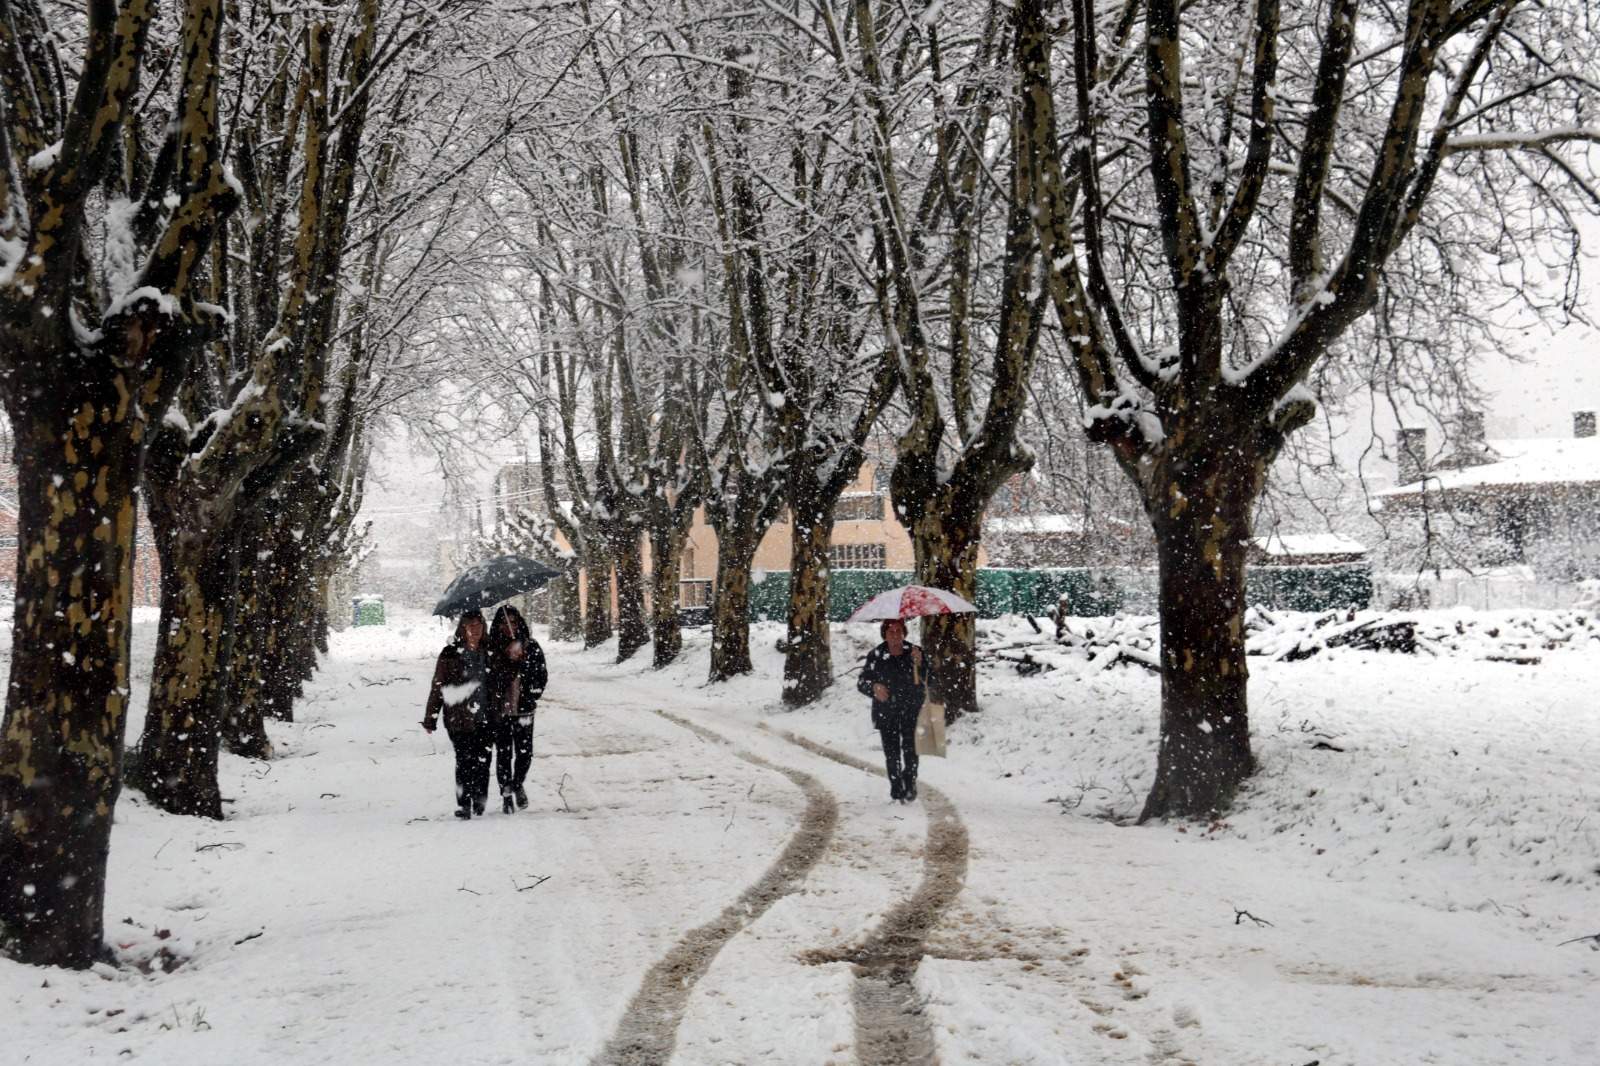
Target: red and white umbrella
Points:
(911, 601)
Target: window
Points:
(856, 556)
(865, 507)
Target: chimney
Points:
(1582, 424)
(1412, 446)
(1468, 446)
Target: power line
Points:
(475, 501)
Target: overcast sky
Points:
(1537, 399)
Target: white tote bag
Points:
(930, 729)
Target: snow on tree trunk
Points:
(177, 759)
(808, 651)
(730, 608)
(1202, 521)
(666, 563)
(566, 613)
(946, 549)
(244, 728)
(78, 458)
(83, 372)
(597, 593)
(633, 632)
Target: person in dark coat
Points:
(460, 693)
(894, 677)
(517, 676)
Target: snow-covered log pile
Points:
(1117, 640)
(1509, 636)
(1501, 636)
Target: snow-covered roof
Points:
(1039, 523)
(1288, 544)
(1547, 461)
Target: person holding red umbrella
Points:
(896, 678)
(893, 676)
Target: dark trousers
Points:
(472, 765)
(513, 753)
(900, 754)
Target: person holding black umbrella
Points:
(517, 676)
(460, 692)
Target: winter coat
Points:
(527, 675)
(530, 674)
(460, 679)
(895, 671)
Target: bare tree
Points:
(802, 308)
(1299, 165)
(962, 441)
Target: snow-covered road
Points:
(706, 877)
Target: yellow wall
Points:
(773, 552)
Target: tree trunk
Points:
(261, 675)
(730, 607)
(303, 640)
(177, 765)
(633, 632)
(946, 547)
(808, 652)
(78, 457)
(1202, 525)
(244, 728)
(666, 568)
(566, 613)
(597, 595)
(279, 665)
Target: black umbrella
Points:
(493, 580)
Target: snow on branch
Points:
(1507, 140)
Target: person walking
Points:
(517, 676)
(460, 692)
(893, 676)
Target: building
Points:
(1032, 541)
(866, 536)
(1306, 549)
(1497, 503)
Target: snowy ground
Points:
(1422, 837)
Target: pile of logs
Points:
(1512, 637)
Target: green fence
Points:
(1309, 588)
(1089, 592)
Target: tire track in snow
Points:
(648, 1030)
(892, 1027)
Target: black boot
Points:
(509, 804)
(477, 806)
(522, 797)
(463, 812)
